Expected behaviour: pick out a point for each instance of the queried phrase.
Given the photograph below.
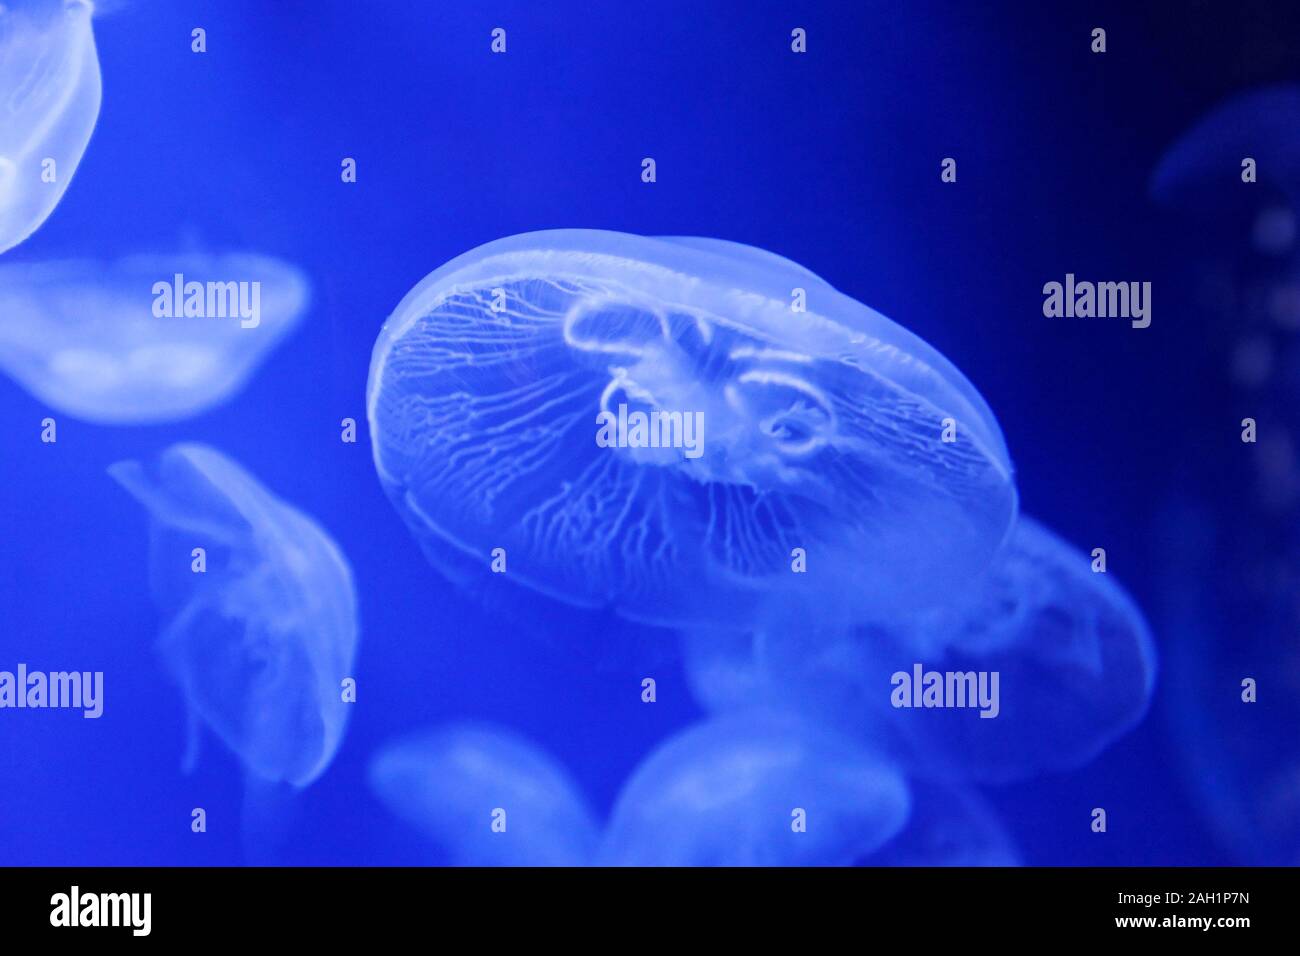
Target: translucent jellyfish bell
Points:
(503, 397)
(147, 339)
(487, 796)
(262, 639)
(1072, 654)
(755, 789)
(49, 101)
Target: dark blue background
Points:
(829, 158)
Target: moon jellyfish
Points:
(49, 101)
(667, 427)
(1037, 666)
(262, 633)
(755, 789)
(487, 797)
(147, 339)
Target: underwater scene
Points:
(665, 434)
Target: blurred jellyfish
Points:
(1254, 300)
(948, 826)
(486, 796)
(262, 639)
(147, 339)
(655, 426)
(1228, 588)
(755, 789)
(1072, 655)
(1203, 169)
(49, 101)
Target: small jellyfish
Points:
(648, 425)
(49, 101)
(263, 633)
(1058, 657)
(758, 789)
(487, 797)
(147, 339)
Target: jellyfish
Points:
(755, 789)
(49, 101)
(1249, 290)
(1204, 168)
(1228, 589)
(763, 788)
(1251, 137)
(682, 430)
(261, 625)
(1040, 664)
(147, 339)
(487, 797)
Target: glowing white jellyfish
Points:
(262, 638)
(1058, 657)
(49, 101)
(767, 789)
(755, 790)
(487, 797)
(146, 339)
(653, 426)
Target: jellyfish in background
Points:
(49, 101)
(504, 398)
(755, 790)
(1236, 665)
(1203, 169)
(487, 797)
(764, 790)
(1251, 293)
(148, 339)
(262, 640)
(1235, 660)
(1072, 654)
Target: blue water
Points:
(1126, 439)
